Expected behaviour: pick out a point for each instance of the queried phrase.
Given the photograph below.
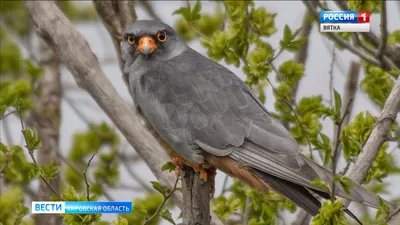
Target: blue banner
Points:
(338, 17)
(98, 207)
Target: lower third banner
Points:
(39, 207)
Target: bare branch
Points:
(340, 40)
(331, 75)
(393, 214)
(378, 136)
(350, 89)
(149, 8)
(15, 37)
(7, 114)
(349, 96)
(384, 33)
(247, 209)
(85, 174)
(338, 131)
(115, 22)
(134, 176)
(392, 52)
(79, 172)
(74, 51)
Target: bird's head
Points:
(150, 40)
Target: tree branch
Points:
(378, 136)
(340, 40)
(74, 52)
(384, 34)
(392, 52)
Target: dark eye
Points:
(131, 39)
(162, 36)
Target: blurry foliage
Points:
(374, 6)
(331, 213)
(264, 207)
(84, 145)
(394, 38)
(144, 207)
(377, 84)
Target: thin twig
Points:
(223, 190)
(331, 75)
(7, 114)
(384, 33)
(134, 176)
(15, 37)
(157, 213)
(77, 171)
(346, 168)
(340, 40)
(247, 209)
(393, 214)
(30, 151)
(149, 8)
(85, 175)
(197, 31)
(338, 125)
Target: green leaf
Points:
(34, 171)
(120, 221)
(338, 102)
(158, 187)
(168, 166)
(32, 139)
(166, 215)
(50, 171)
(196, 11)
(3, 148)
(319, 183)
(185, 12)
(345, 182)
(287, 34)
(139, 210)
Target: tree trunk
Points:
(196, 198)
(46, 118)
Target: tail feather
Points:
(300, 170)
(298, 194)
(294, 192)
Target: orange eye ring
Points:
(131, 39)
(162, 36)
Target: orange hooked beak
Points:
(147, 45)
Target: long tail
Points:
(298, 194)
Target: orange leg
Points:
(204, 173)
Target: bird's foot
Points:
(205, 170)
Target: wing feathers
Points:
(284, 167)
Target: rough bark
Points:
(46, 117)
(196, 198)
(74, 52)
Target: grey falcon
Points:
(206, 113)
